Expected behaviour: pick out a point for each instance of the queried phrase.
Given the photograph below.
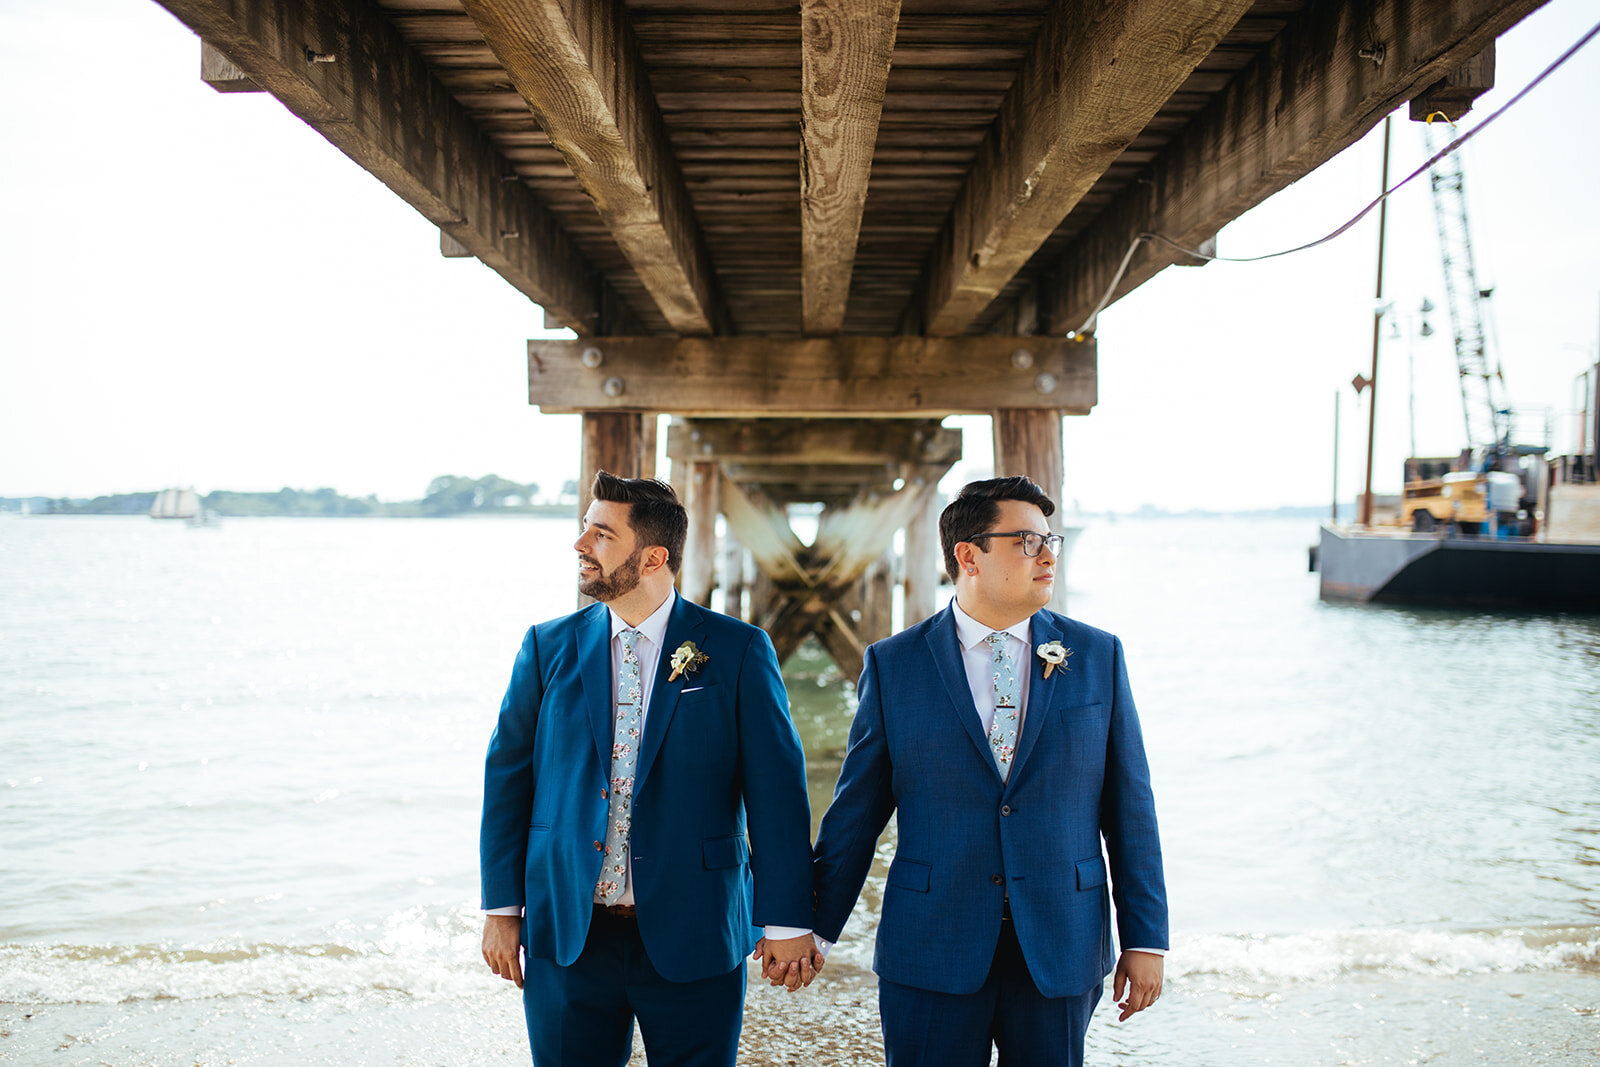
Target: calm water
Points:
(239, 781)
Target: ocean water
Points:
(240, 772)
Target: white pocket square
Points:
(696, 689)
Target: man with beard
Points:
(637, 742)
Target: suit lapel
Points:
(684, 624)
(1041, 690)
(945, 648)
(594, 658)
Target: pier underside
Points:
(830, 221)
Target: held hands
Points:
(502, 940)
(792, 962)
(1141, 973)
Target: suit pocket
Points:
(1091, 873)
(720, 852)
(1081, 713)
(909, 874)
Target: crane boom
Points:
(1483, 404)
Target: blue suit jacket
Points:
(966, 839)
(725, 748)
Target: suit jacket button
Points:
(997, 879)
(598, 846)
(1005, 810)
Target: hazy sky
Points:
(197, 289)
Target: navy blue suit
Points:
(968, 840)
(716, 761)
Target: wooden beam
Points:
(871, 442)
(924, 561)
(221, 73)
(1306, 98)
(613, 441)
(1029, 443)
(1454, 94)
(845, 48)
(741, 376)
(578, 67)
(378, 103)
(700, 557)
(1095, 75)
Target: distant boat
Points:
(176, 504)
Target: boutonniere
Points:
(686, 660)
(1054, 656)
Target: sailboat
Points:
(182, 504)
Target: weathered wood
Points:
(736, 376)
(612, 441)
(450, 248)
(872, 442)
(1094, 77)
(731, 576)
(1029, 442)
(845, 49)
(1453, 95)
(700, 555)
(923, 561)
(1303, 100)
(380, 105)
(577, 65)
(221, 73)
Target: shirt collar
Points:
(970, 632)
(653, 629)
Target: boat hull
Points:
(1428, 569)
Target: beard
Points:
(619, 583)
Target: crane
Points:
(1483, 403)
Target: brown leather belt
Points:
(617, 911)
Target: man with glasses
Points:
(1005, 736)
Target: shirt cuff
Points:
(784, 933)
(515, 909)
(1152, 951)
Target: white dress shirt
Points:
(652, 634)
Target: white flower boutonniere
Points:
(686, 659)
(1054, 656)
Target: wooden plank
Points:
(924, 561)
(577, 66)
(1029, 443)
(221, 73)
(811, 443)
(845, 48)
(1454, 94)
(704, 504)
(1305, 99)
(740, 376)
(1094, 77)
(378, 103)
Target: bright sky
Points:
(197, 289)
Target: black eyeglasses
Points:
(1032, 542)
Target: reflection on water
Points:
(239, 776)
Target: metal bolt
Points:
(313, 56)
(613, 387)
(1375, 53)
(1045, 383)
(592, 357)
(1022, 359)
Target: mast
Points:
(1377, 325)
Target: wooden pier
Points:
(810, 231)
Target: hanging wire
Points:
(1086, 331)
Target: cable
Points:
(1087, 329)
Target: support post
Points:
(1028, 441)
(700, 559)
(924, 562)
(612, 441)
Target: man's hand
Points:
(502, 938)
(792, 962)
(1141, 973)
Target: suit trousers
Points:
(582, 1015)
(922, 1028)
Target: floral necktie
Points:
(625, 740)
(1007, 690)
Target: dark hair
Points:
(974, 509)
(653, 512)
